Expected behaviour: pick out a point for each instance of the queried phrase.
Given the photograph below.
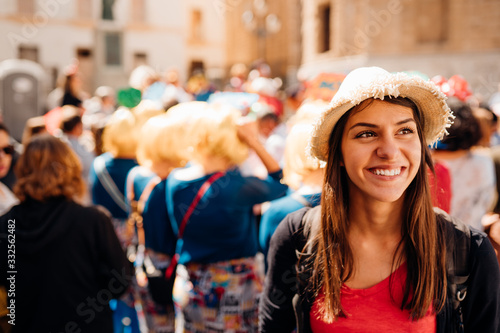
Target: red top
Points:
(373, 310)
(440, 186)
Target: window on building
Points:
(86, 67)
(138, 13)
(432, 21)
(324, 28)
(26, 7)
(196, 31)
(28, 53)
(140, 58)
(84, 9)
(54, 75)
(107, 9)
(196, 67)
(83, 53)
(113, 48)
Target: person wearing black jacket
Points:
(481, 310)
(376, 256)
(61, 263)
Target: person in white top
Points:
(472, 171)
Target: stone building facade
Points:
(278, 42)
(444, 37)
(111, 37)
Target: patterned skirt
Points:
(153, 317)
(224, 297)
(123, 232)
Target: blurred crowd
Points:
(186, 174)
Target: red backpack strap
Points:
(201, 192)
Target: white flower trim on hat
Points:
(429, 99)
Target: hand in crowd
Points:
(247, 132)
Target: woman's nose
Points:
(388, 148)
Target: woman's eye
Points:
(406, 130)
(366, 134)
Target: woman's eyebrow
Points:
(361, 124)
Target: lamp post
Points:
(262, 23)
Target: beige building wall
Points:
(444, 37)
(153, 32)
(281, 50)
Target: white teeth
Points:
(385, 172)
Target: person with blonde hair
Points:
(68, 260)
(375, 256)
(302, 173)
(162, 146)
(107, 182)
(145, 110)
(210, 207)
(109, 170)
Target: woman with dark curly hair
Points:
(67, 261)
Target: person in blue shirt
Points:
(107, 184)
(161, 148)
(219, 242)
(109, 170)
(302, 173)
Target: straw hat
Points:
(375, 82)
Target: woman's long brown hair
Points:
(423, 246)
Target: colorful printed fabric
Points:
(123, 232)
(156, 317)
(224, 297)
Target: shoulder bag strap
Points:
(458, 237)
(135, 219)
(108, 183)
(141, 204)
(201, 192)
(135, 222)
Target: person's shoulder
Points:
(141, 174)
(284, 203)
(187, 174)
(481, 156)
(298, 220)
(460, 229)
(86, 214)
(107, 156)
(279, 208)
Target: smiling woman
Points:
(375, 256)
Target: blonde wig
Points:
(164, 139)
(120, 134)
(298, 163)
(215, 134)
(145, 110)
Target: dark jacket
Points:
(285, 299)
(67, 265)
